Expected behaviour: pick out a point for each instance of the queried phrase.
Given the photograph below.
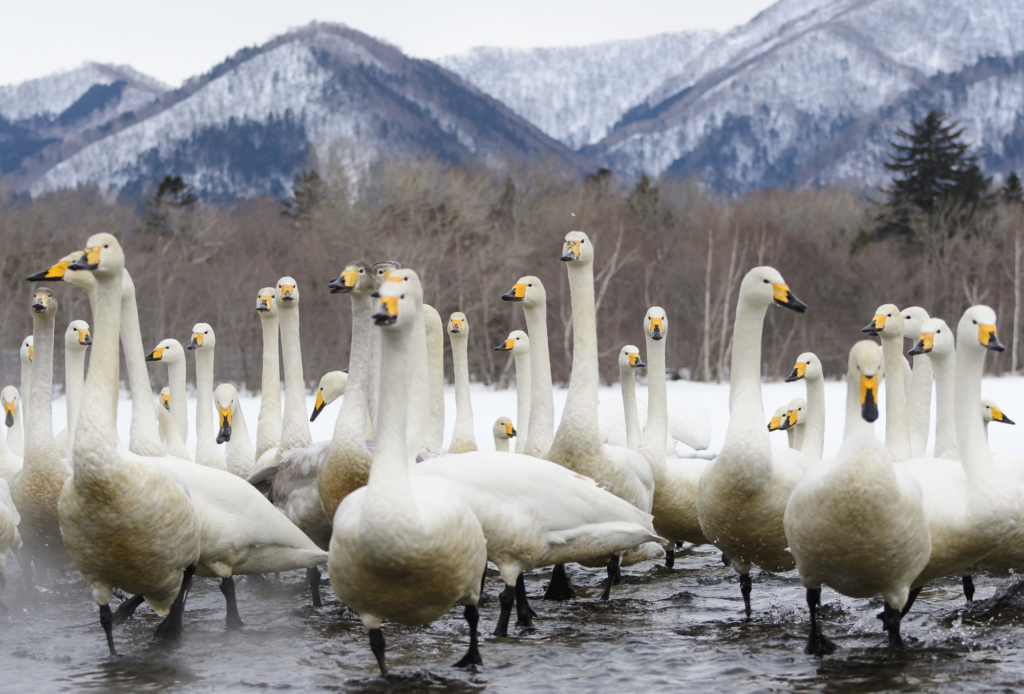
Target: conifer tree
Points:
(307, 192)
(1012, 191)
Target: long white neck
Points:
(435, 374)
(26, 389)
(74, 382)
(944, 368)
(791, 438)
(238, 451)
(970, 428)
(171, 435)
(656, 431)
(268, 426)
(897, 427)
(388, 486)
(813, 443)
(798, 436)
(501, 444)
(295, 429)
(207, 452)
(523, 394)
(41, 451)
(627, 381)
(145, 432)
(579, 418)
(349, 429)
(919, 405)
(541, 428)
(15, 440)
(856, 425)
(176, 381)
(747, 410)
(418, 421)
(463, 438)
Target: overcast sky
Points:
(175, 40)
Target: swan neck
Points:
(970, 428)
(418, 388)
(747, 410)
(177, 381)
(943, 368)
(813, 443)
(919, 406)
(856, 425)
(40, 443)
(295, 427)
(580, 414)
(627, 382)
(435, 375)
(74, 381)
(389, 473)
(145, 429)
(523, 389)
(897, 425)
(268, 426)
(463, 403)
(540, 431)
(656, 432)
(351, 424)
(26, 387)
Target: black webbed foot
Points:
(126, 610)
(560, 587)
(817, 643)
(472, 656)
(377, 646)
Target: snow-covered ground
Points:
(489, 404)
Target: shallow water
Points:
(663, 630)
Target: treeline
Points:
(471, 232)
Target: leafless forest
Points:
(471, 232)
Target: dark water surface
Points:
(663, 630)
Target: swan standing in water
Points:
(10, 464)
(203, 343)
(239, 455)
(518, 343)
(503, 431)
(76, 341)
(404, 548)
(171, 353)
(808, 369)
(887, 546)
(463, 439)
(268, 426)
(26, 354)
(529, 293)
(743, 492)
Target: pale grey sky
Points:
(175, 40)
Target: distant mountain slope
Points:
(247, 126)
(576, 95)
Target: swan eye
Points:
(939, 330)
(402, 297)
(206, 332)
(767, 282)
(974, 321)
(888, 315)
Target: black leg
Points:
(560, 588)
(313, 575)
(483, 579)
(506, 598)
(746, 585)
(613, 571)
(126, 610)
(227, 587)
(377, 646)
(524, 613)
(670, 558)
(969, 588)
(892, 625)
(911, 599)
(169, 630)
(726, 560)
(107, 622)
(472, 656)
(817, 643)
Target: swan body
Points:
(518, 343)
(203, 344)
(503, 430)
(239, 455)
(688, 423)
(10, 463)
(463, 439)
(268, 426)
(76, 341)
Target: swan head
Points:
(934, 337)
(102, 255)
(913, 318)
(990, 412)
(225, 397)
(775, 423)
(27, 351)
(165, 397)
(503, 428)
(629, 358)
(458, 326)
(765, 285)
(168, 351)
(384, 268)
(807, 366)
(978, 326)
(266, 302)
(357, 277)
(11, 399)
(287, 293)
(577, 248)
(44, 303)
(60, 273)
(517, 342)
(888, 322)
(656, 323)
(77, 336)
(332, 386)
(397, 304)
(866, 361)
(405, 279)
(528, 290)
(796, 413)
(202, 337)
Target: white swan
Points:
(26, 353)
(295, 426)
(239, 455)
(404, 548)
(919, 395)
(991, 412)
(887, 546)
(503, 430)
(10, 464)
(76, 341)
(170, 432)
(775, 424)
(629, 360)
(540, 428)
(888, 325)
(125, 523)
(10, 540)
(172, 354)
(268, 426)
(808, 368)
(936, 342)
(795, 421)
(144, 438)
(743, 492)
(463, 438)
(203, 344)
(435, 374)
(518, 343)
(331, 387)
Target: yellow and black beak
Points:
(54, 274)
(799, 371)
(657, 329)
(788, 421)
(869, 397)
(924, 344)
(9, 414)
(31, 352)
(455, 326)
(517, 293)
(506, 346)
(387, 312)
(876, 326)
(40, 303)
(156, 355)
(570, 251)
(165, 400)
(197, 341)
(510, 430)
(287, 292)
(783, 297)
(89, 260)
(320, 405)
(225, 424)
(84, 338)
(264, 303)
(635, 362)
(775, 423)
(997, 416)
(987, 337)
(344, 283)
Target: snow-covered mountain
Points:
(249, 125)
(578, 94)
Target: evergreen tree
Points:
(1012, 192)
(307, 192)
(173, 192)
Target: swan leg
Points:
(969, 588)
(726, 561)
(313, 576)
(524, 613)
(506, 598)
(892, 625)
(483, 580)
(613, 571)
(169, 630)
(472, 656)
(126, 610)
(107, 622)
(911, 599)
(227, 587)
(377, 646)
(670, 558)
(560, 588)
(817, 643)
(746, 585)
